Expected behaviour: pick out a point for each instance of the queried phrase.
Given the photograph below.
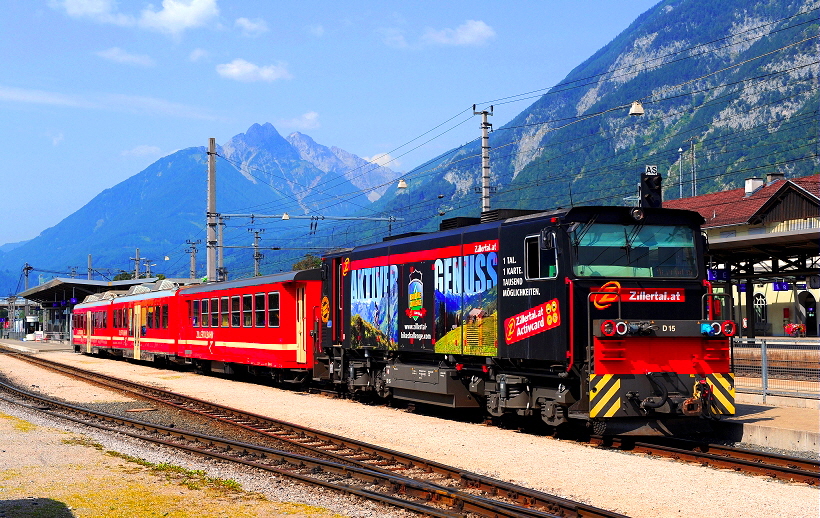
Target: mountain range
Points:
(163, 208)
(729, 91)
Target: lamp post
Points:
(680, 172)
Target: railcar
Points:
(594, 315)
(267, 325)
(141, 323)
(262, 325)
(90, 325)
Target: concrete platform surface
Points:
(35, 347)
(783, 422)
(793, 428)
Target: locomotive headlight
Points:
(621, 327)
(729, 328)
(608, 328)
(710, 328)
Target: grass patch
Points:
(193, 479)
(84, 441)
(19, 424)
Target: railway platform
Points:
(787, 423)
(35, 347)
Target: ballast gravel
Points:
(632, 484)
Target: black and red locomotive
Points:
(600, 315)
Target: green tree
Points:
(308, 262)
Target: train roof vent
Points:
(165, 284)
(458, 222)
(94, 297)
(136, 290)
(500, 214)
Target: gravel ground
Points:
(632, 484)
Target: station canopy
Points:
(61, 292)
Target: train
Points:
(594, 316)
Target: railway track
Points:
(719, 456)
(379, 474)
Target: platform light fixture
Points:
(636, 109)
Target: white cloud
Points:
(316, 30)
(471, 32)
(306, 121)
(178, 15)
(384, 160)
(253, 27)
(21, 95)
(56, 137)
(393, 37)
(242, 70)
(118, 55)
(198, 54)
(111, 102)
(98, 10)
(142, 150)
(173, 18)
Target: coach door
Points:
(136, 329)
(301, 343)
(89, 327)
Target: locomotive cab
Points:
(655, 351)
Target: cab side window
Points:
(539, 264)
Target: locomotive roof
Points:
(601, 214)
(314, 274)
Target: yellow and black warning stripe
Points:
(604, 395)
(723, 391)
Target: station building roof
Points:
(68, 291)
(777, 219)
(740, 206)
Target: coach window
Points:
(540, 264)
(273, 309)
(214, 312)
(247, 310)
(193, 312)
(205, 321)
(149, 317)
(226, 319)
(259, 300)
(236, 317)
(165, 316)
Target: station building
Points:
(764, 242)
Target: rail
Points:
(777, 367)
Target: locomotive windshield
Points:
(612, 250)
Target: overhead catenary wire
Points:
(417, 172)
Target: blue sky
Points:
(94, 91)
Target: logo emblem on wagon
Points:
(415, 295)
(602, 300)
